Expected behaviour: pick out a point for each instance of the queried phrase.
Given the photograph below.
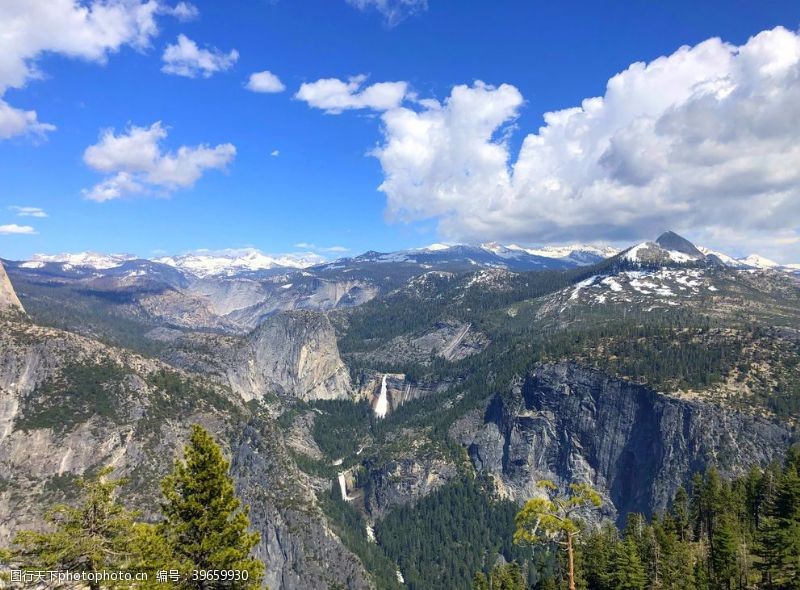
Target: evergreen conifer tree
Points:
(93, 536)
(204, 523)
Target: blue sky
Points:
(322, 186)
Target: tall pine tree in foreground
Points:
(204, 522)
(554, 519)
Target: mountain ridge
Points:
(251, 261)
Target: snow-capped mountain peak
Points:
(757, 261)
(205, 263)
(78, 260)
(669, 248)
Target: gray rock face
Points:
(8, 297)
(450, 340)
(404, 481)
(294, 354)
(300, 551)
(569, 424)
(295, 292)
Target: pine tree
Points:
(93, 536)
(598, 548)
(204, 523)
(780, 538)
(724, 553)
(681, 514)
(553, 519)
(627, 572)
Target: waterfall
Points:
(382, 406)
(343, 487)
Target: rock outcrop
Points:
(292, 354)
(404, 480)
(568, 424)
(8, 297)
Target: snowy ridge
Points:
(668, 249)
(204, 263)
(78, 260)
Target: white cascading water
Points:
(382, 406)
(343, 487)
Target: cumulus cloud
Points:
(275, 153)
(706, 140)
(185, 58)
(265, 81)
(28, 211)
(136, 163)
(393, 11)
(88, 30)
(335, 96)
(13, 228)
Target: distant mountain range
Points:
(668, 248)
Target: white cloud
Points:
(13, 228)
(275, 153)
(28, 211)
(265, 81)
(185, 58)
(705, 140)
(183, 11)
(88, 30)
(394, 11)
(334, 95)
(18, 122)
(137, 165)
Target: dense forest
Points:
(721, 535)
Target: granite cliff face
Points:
(8, 297)
(300, 549)
(292, 354)
(403, 481)
(567, 423)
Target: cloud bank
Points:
(706, 140)
(137, 164)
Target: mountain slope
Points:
(70, 405)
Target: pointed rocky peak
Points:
(669, 240)
(8, 297)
